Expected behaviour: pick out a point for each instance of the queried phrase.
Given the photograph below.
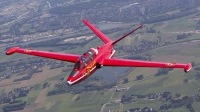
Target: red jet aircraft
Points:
(95, 58)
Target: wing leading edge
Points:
(59, 56)
(137, 63)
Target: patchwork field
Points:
(182, 52)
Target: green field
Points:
(58, 77)
(93, 100)
(66, 102)
(88, 95)
(25, 27)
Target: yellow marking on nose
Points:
(89, 68)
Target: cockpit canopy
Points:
(85, 59)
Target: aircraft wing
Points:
(59, 56)
(138, 63)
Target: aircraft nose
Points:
(70, 80)
(69, 83)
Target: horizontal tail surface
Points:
(103, 37)
(140, 26)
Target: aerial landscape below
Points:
(88, 56)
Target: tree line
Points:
(14, 107)
(64, 88)
(168, 17)
(163, 71)
(183, 36)
(177, 103)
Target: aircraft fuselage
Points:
(103, 52)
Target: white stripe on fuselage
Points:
(81, 76)
(112, 54)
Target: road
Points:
(113, 92)
(103, 106)
(41, 39)
(152, 37)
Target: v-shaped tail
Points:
(140, 26)
(103, 37)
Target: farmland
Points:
(181, 51)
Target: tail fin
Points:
(140, 26)
(103, 37)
